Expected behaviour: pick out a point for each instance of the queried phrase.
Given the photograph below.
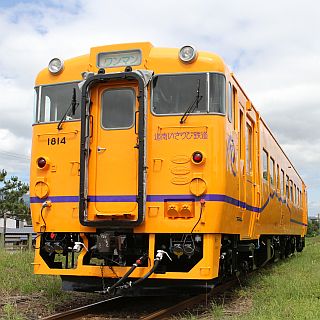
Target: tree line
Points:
(12, 204)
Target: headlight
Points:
(55, 65)
(187, 53)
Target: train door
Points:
(250, 174)
(113, 182)
(242, 174)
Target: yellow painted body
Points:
(237, 198)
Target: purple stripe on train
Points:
(171, 198)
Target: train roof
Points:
(160, 60)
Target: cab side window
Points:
(230, 104)
(272, 167)
(265, 165)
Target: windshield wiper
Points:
(73, 107)
(193, 106)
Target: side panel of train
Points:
(271, 193)
(212, 187)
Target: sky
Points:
(272, 46)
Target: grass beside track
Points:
(16, 276)
(289, 289)
(25, 296)
(19, 284)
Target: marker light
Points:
(187, 54)
(55, 65)
(41, 162)
(197, 157)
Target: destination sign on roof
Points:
(119, 59)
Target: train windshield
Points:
(54, 100)
(173, 94)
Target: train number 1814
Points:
(55, 141)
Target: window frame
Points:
(134, 107)
(230, 102)
(301, 201)
(265, 152)
(272, 174)
(36, 104)
(287, 187)
(207, 90)
(282, 183)
(249, 147)
(37, 107)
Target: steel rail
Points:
(78, 312)
(185, 304)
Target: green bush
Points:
(313, 228)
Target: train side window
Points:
(36, 105)
(217, 93)
(241, 134)
(278, 178)
(117, 108)
(305, 198)
(173, 94)
(47, 110)
(295, 194)
(287, 187)
(282, 183)
(230, 102)
(272, 181)
(55, 100)
(234, 99)
(248, 148)
(291, 190)
(265, 165)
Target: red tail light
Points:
(41, 162)
(197, 157)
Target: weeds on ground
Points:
(289, 289)
(16, 275)
(17, 281)
(286, 290)
(10, 313)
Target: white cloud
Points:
(14, 153)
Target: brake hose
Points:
(160, 254)
(125, 277)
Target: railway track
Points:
(79, 312)
(188, 303)
(100, 308)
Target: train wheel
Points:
(288, 247)
(299, 243)
(293, 244)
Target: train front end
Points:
(129, 168)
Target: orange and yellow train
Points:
(153, 172)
